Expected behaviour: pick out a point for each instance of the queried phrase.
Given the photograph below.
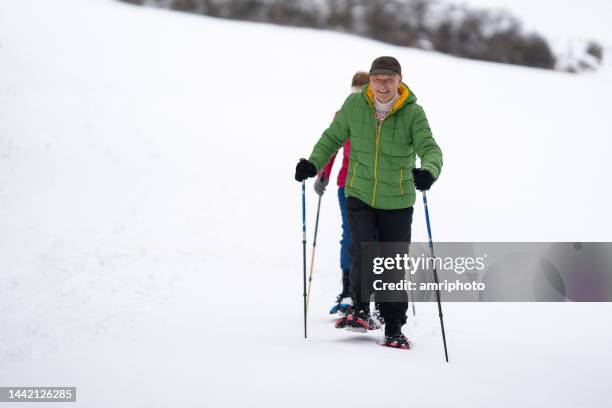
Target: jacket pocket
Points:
(354, 173)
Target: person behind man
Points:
(387, 130)
(344, 301)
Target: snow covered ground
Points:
(150, 237)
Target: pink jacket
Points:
(346, 149)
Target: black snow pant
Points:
(369, 224)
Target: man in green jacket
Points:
(387, 130)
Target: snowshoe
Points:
(359, 321)
(396, 341)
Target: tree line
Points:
(488, 35)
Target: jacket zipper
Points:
(378, 127)
(376, 161)
(401, 178)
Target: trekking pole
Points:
(304, 247)
(435, 273)
(411, 295)
(314, 245)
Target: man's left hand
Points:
(422, 179)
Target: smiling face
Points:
(385, 87)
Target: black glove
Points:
(304, 169)
(422, 179)
(320, 183)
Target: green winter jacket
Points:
(381, 159)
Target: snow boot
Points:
(343, 306)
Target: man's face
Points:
(385, 87)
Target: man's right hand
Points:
(304, 169)
(320, 183)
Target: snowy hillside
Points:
(150, 231)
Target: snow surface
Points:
(150, 237)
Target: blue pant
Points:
(345, 242)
